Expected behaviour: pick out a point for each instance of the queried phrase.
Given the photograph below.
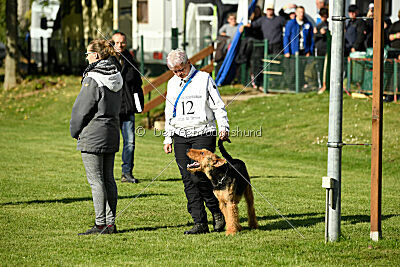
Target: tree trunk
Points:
(10, 79)
(23, 7)
(86, 11)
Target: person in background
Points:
(272, 28)
(254, 33)
(369, 26)
(298, 39)
(95, 124)
(192, 106)
(394, 35)
(257, 52)
(320, 4)
(298, 35)
(132, 102)
(355, 32)
(320, 33)
(288, 12)
(230, 28)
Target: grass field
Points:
(45, 199)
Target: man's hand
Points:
(287, 55)
(223, 135)
(308, 54)
(167, 148)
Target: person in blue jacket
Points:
(298, 35)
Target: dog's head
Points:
(204, 160)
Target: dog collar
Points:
(223, 178)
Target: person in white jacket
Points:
(192, 106)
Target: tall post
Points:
(297, 72)
(265, 66)
(30, 55)
(395, 80)
(49, 59)
(42, 53)
(328, 69)
(335, 123)
(377, 119)
(115, 15)
(174, 27)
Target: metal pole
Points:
(42, 53)
(142, 71)
(265, 75)
(174, 27)
(395, 80)
(297, 68)
(335, 123)
(328, 69)
(30, 55)
(49, 59)
(349, 63)
(377, 121)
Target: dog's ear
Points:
(219, 162)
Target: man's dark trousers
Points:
(198, 188)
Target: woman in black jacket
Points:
(95, 124)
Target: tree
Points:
(10, 79)
(97, 19)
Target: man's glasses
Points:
(179, 71)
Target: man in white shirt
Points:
(193, 104)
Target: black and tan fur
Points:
(229, 185)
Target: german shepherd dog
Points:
(230, 182)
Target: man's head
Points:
(324, 14)
(232, 19)
(300, 13)
(353, 11)
(320, 4)
(119, 40)
(178, 63)
(269, 10)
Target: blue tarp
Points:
(228, 70)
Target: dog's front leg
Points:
(232, 220)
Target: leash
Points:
(276, 210)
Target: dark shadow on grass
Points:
(71, 200)
(274, 176)
(171, 180)
(155, 228)
(310, 219)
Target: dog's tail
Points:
(223, 150)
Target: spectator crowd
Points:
(292, 32)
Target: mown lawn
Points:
(45, 199)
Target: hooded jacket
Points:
(95, 114)
(132, 93)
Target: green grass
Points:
(45, 199)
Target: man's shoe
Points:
(96, 229)
(128, 178)
(198, 228)
(218, 222)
